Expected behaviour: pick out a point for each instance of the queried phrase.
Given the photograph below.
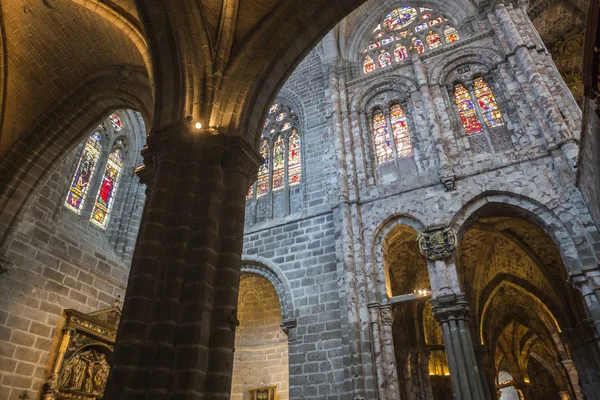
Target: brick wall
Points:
(261, 349)
(57, 260)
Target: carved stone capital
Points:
(437, 242)
(387, 315)
(453, 306)
(240, 156)
(448, 178)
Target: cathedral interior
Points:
(315, 199)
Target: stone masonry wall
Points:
(589, 163)
(56, 260)
(261, 348)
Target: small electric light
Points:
(198, 125)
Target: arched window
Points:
(262, 186)
(402, 28)
(278, 163)
(487, 103)
(294, 158)
(383, 144)
(400, 128)
(281, 134)
(84, 173)
(108, 189)
(466, 109)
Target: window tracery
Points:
(486, 102)
(281, 149)
(385, 148)
(108, 189)
(402, 28)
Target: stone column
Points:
(450, 309)
(584, 352)
(178, 324)
(382, 336)
(447, 175)
(562, 135)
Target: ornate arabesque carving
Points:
(437, 242)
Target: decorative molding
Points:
(437, 242)
(451, 306)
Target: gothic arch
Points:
(440, 71)
(531, 210)
(378, 284)
(366, 17)
(392, 81)
(62, 127)
(291, 99)
(265, 268)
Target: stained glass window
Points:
(383, 144)
(487, 104)
(286, 126)
(368, 65)
(420, 27)
(278, 163)
(399, 18)
(433, 40)
(466, 109)
(280, 117)
(451, 34)
(84, 173)
(262, 186)
(294, 159)
(384, 59)
(250, 193)
(108, 189)
(374, 45)
(274, 108)
(400, 129)
(425, 16)
(435, 21)
(400, 53)
(116, 122)
(417, 45)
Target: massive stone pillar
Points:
(582, 341)
(177, 331)
(451, 310)
(561, 133)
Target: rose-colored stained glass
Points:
(435, 21)
(450, 34)
(466, 109)
(108, 189)
(294, 159)
(487, 104)
(262, 183)
(383, 144)
(433, 40)
(400, 129)
(80, 183)
(368, 65)
(116, 122)
(278, 163)
(399, 18)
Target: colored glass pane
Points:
(421, 9)
(281, 116)
(274, 108)
(116, 122)
(400, 53)
(487, 104)
(436, 21)
(417, 45)
(86, 166)
(262, 185)
(368, 65)
(267, 122)
(400, 130)
(374, 45)
(383, 144)
(384, 59)
(108, 189)
(433, 40)
(466, 109)
(286, 126)
(380, 35)
(425, 16)
(450, 34)
(420, 27)
(278, 163)
(294, 159)
(250, 193)
(387, 41)
(400, 18)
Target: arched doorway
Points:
(260, 366)
(522, 307)
(420, 357)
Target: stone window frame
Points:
(404, 101)
(468, 82)
(112, 139)
(270, 133)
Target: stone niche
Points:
(79, 363)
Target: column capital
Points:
(437, 242)
(452, 306)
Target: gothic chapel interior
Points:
(299, 199)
